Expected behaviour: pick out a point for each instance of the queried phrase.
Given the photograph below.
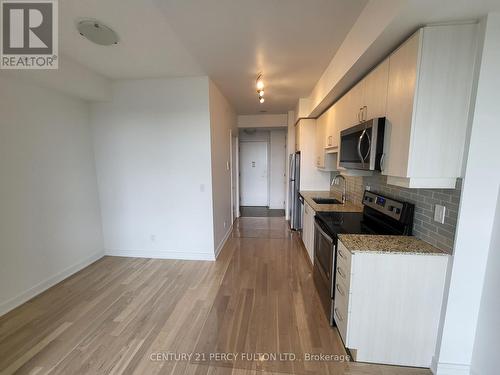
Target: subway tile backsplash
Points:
(424, 227)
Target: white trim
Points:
(43, 285)
(450, 369)
(161, 254)
(422, 182)
(223, 242)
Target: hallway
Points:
(149, 316)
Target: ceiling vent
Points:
(97, 32)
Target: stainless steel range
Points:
(381, 215)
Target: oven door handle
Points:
(322, 232)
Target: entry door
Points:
(253, 174)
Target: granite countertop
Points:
(388, 244)
(347, 207)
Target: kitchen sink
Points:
(326, 200)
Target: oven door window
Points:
(323, 254)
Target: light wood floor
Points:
(124, 315)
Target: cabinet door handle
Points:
(341, 254)
(382, 161)
(337, 314)
(340, 272)
(365, 111)
(339, 290)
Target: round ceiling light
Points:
(97, 32)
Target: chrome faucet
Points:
(334, 181)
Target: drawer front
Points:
(344, 255)
(343, 273)
(341, 309)
(340, 314)
(343, 265)
(342, 297)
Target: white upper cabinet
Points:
(428, 96)
(326, 142)
(352, 107)
(332, 128)
(366, 100)
(321, 125)
(375, 92)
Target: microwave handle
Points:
(369, 147)
(359, 146)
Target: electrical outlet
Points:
(439, 213)
(368, 187)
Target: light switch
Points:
(439, 213)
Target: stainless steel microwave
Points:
(362, 146)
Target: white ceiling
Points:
(148, 46)
(290, 41)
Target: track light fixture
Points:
(259, 84)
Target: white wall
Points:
(277, 178)
(152, 144)
(222, 126)
(50, 225)
(254, 135)
(71, 78)
(475, 227)
(487, 341)
(263, 121)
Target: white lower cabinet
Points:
(387, 305)
(308, 230)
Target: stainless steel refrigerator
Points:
(294, 203)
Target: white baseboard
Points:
(42, 286)
(450, 369)
(223, 242)
(160, 254)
